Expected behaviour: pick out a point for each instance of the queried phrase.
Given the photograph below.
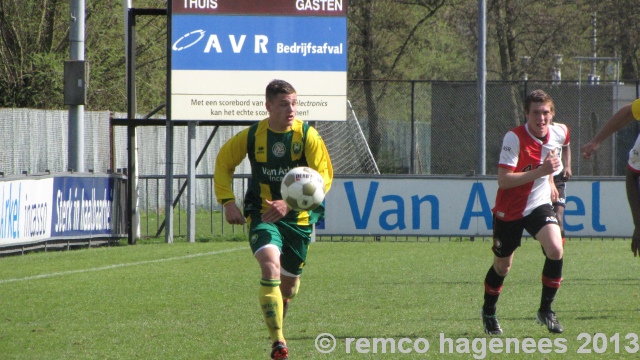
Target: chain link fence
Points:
(36, 141)
(410, 127)
(427, 127)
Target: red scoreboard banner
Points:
(262, 7)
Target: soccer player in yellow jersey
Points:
(618, 121)
(279, 236)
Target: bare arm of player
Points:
(566, 160)
(508, 179)
(618, 121)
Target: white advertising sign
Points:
(460, 207)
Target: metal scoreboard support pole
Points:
(132, 172)
(191, 176)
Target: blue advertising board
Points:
(82, 206)
(51, 207)
(227, 43)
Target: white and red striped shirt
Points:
(521, 152)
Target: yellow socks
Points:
(271, 304)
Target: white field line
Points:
(115, 266)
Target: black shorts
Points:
(507, 235)
(561, 184)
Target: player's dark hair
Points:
(277, 87)
(538, 96)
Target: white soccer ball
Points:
(302, 188)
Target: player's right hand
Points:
(276, 211)
(551, 163)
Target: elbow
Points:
(502, 184)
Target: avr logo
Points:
(186, 38)
(213, 43)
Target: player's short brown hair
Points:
(277, 87)
(538, 96)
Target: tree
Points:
(105, 52)
(535, 30)
(381, 34)
(34, 43)
(618, 33)
(32, 65)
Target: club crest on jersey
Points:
(296, 147)
(278, 149)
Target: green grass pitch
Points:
(199, 301)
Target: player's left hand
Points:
(588, 149)
(276, 211)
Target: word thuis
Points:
(200, 4)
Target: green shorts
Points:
(292, 240)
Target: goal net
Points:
(347, 145)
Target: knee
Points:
(270, 269)
(502, 268)
(555, 253)
(269, 259)
(554, 250)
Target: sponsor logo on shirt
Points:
(278, 149)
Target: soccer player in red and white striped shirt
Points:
(527, 161)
